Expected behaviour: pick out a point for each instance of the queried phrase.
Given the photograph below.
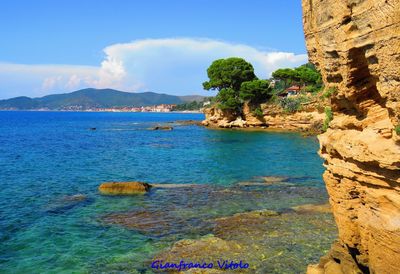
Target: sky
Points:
(163, 46)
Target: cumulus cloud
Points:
(172, 65)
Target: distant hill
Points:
(191, 98)
(95, 98)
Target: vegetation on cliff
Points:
(236, 83)
(244, 100)
(306, 75)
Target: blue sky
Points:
(163, 46)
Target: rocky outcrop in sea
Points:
(307, 120)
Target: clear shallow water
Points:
(46, 157)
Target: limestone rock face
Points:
(298, 121)
(222, 119)
(356, 45)
(250, 118)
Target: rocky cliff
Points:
(356, 45)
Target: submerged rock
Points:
(124, 188)
(311, 208)
(143, 221)
(157, 222)
(266, 240)
(208, 249)
(274, 179)
(68, 202)
(175, 185)
(243, 222)
(266, 181)
(269, 241)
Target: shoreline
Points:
(55, 110)
(255, 129)
(266, 130)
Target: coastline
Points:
(256, 129)
(109, 111)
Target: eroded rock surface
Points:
(356, 45)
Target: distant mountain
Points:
(191, 98)
(95, 98)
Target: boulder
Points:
(124, 188)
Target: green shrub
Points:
(274, 99)
(312, 88)
(303, 98)
(397, 129)
(328, 118)
(290, 104)
(329, 92)
(258, 112)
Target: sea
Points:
(54, 220)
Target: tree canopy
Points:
(229, 73)
(255, 91)
(236, 83)
(228, 99)
(304, 75)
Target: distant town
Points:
(154, 108)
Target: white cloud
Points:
(172, 65)
(39, 80)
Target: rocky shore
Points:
(309, 119)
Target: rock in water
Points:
(207, 249)
(68, 202)
(124, 188)
(311, 208)
(356, 46)
(162, 128)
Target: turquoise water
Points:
(48, 157)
